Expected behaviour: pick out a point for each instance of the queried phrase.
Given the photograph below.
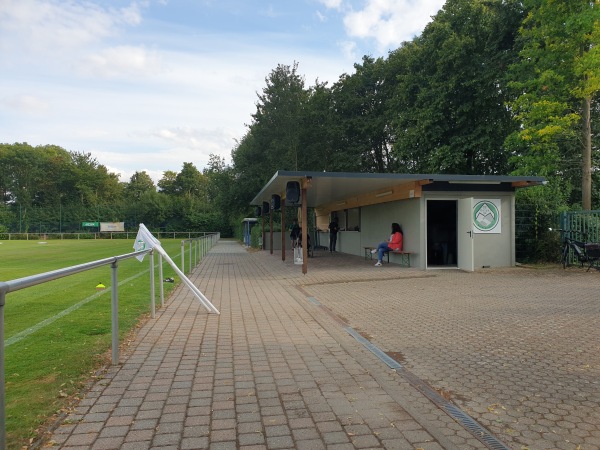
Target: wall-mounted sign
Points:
(486, 216)
(112, 226)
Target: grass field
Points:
(57, 334)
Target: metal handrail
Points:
(199, 246)
(33, 280)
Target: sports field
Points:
(58, 334)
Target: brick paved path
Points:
(515, 349)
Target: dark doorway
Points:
(441, 233)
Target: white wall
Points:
(493, 250)
(490, 250)
(376, 226)
(496, 250)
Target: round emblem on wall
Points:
(485, 215)
(140, 245)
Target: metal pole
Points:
(183, 256)
(190, 256)
(271, 231)
(2, 380)
(115, 312)
(152, 293)
(283, 230)
(160, 276)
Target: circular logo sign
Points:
(485, 215)
(140, 245)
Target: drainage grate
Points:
(470, 424)
(448, 407)
(392, 363)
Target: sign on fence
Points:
(112, 226)
(90, 224)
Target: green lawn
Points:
(44, 367)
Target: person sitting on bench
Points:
(394, 243)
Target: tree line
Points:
(48, 189)
(489, 87)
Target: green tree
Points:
(276, 122)
(139, 183)
(167, 184)
(190, 183)
(557, 80)
(451, 91)
(361, 103)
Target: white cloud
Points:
(122, 60)
(391, 22)
(84, 82)
(349, 49)
(332, 4)
(26, 103)
(56, 25)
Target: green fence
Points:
(582, 225)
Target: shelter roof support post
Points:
(305, 185)
(271, 230)
(263, 232)
(283, 229)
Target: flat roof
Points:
(333, 186)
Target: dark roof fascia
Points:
(466, 179)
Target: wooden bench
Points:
(404, 255)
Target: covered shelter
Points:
(247, 224)
(461, 221)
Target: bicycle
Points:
(584, 252)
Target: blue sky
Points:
(151, 84)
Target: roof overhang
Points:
(326, 189)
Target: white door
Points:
(464, 238)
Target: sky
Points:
(146, 85)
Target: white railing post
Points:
(183, 256)
(152, 293)
(115, 312)
(190, 257)
(2, 380)
(160, 276)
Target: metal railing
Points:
(198, 247)
(32, 236)
(33, 280)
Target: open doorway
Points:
(441, 233)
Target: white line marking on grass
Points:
(44, 323)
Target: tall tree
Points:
(190, 183)
(167, 184)
(557, 81)
(450, 113)
(361, 104)
(272, 140)
(139, 183)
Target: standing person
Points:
(394, 243)
(333, 231)
(295, 233)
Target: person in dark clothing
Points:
(295, 233)
(333, 231)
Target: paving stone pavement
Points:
(515, 349)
